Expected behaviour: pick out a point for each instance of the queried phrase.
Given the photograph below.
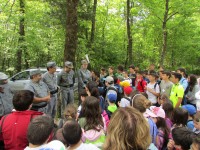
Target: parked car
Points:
(19, 80)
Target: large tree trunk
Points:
(164, 29)
(21, 41)
(130, 40)
(93, 22)
(71, 36)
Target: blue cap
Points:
(190, 108)
(112, 97)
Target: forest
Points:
(111, 32)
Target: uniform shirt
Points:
(84, 76)
(151, 96)
(39, 89)
(184, 83)
(6, 97)
(176, 92)
(165, 87)
(50, 80)
(65, 78)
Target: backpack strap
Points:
(128, 100)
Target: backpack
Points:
(153, 130)
(128, 100)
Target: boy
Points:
(112, 107)
(166, 84)
(132, 74)
(153, 89)
(191, 111)
(126, 100)
(177, 91)
(126, 78)
(140, 82)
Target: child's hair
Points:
(169, 110)
(197, 117)
(161, 123)
(92, 112)
(183, 136)
(193, 82)
(83, 93)
(144, 94)
(93, 88)
(70, 112)
(180, 117)
(128, 130)
(196, 141)
(165, 98)
(140, 102)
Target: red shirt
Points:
(141, 85)
(14, 129)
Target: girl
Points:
(92, 122)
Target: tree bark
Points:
(21, 40)
(71, 36)
(129, 34)
(93, 22)
(164, 29)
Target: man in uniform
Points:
(65, 80)
(6, 96)
(40, 90)
(50, 79)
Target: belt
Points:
(68, 86)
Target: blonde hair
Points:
(140, 102)
(127, 130)
(70, 110)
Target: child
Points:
(92, 122)
(197, 123)
(111, 102)
(153, 89)
(164, 99)
(169, 110)
(191, 111)
(126, 100)
(83, 95)
(158, 116)
(140, 83)
(70, 112)
(126, 77)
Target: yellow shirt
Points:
(176, 92)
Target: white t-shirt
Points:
(53, 145)
(85, 146)
(151, 96)
(124, 102)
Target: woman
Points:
(192, 89)
(128, 130)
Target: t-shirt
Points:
(151, 96)
(85, 146)
(53, 145)
(176, 92)
(125, 102)
(165, 87)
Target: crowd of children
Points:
(118, 111)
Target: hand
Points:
(47, 98)
(170, 145)
(149, 89)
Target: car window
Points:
(22, 76)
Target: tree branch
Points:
(172, 15)
(5, 5)
(11, 10)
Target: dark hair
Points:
(180, 116)
(182, 70)
(22, 100)
(161, 123)
(193, 82)
(126, 72)
(167, 73)
(197, 141)
(83, 92)
(177, 75)
(40, 129)
(103, 69)
(120, 68)
(59, 136)
(72, 132)
(111, 67)
(183, 136)
(115, 80)
(169, 110)
(97, 73)
(165, 97)
(93, 88)
(132, 66)
(92, 112)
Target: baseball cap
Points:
(128, 90)
(109, 79)
(84, 62)
(69, 64)
(124, 83)
(3, 76)
(155, 112)
(34, 72)
(112, 97)
(190, 108)
(51, 64)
